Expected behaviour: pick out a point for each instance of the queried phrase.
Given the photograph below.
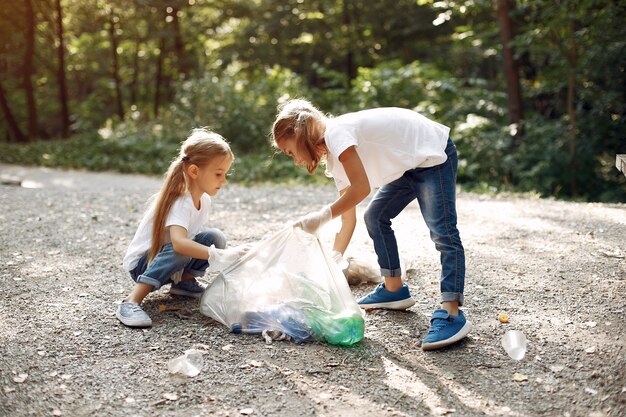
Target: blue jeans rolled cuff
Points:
(397, 272)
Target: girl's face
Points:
(289, 148)
(211, 178)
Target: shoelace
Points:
(437, 324)
(135, 308)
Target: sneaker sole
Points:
(391, 305)
(467, 327)
(175, 291)
(133, 323)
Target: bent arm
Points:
(359, 187)
(349, 197)
(185, 246)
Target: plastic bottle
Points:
(283, 318)
(189, 364)
(514, 343)
(345, 328)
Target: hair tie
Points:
(185, 158)
(302, 118)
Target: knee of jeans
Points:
(371, 219)
(212, 237)
(447, 242)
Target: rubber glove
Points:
(220, 259)
(314, 220)
(340, 261)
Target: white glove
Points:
(338, 258)
(219, 259)
(314, 220)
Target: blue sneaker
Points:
(382, 298)
(188, 288)
(445, 330)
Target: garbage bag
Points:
(286, 283)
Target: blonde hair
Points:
(200, 148)
(298, 119)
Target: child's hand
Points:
(219, 259)
(340, 261)
(313, 221)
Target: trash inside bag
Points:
(289, 284)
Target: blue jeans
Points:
(167, 262)
(435, 191)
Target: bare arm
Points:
(185, 246)
(345, 205)
(348, 223)
(359, 187)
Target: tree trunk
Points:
(347, 22)
(179, 46)
(572, 61)
(159, 76)
(63, 97)
(135, 79)
(115, 67)
(29, 54)
(14, 129)
(511, 72)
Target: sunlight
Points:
(408, 383)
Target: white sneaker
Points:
(132, 315)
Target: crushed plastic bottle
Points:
(514, 343)
(285, 319)
(189, 364)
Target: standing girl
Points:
(169, 245)
(406, 156)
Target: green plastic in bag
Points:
(345, 328)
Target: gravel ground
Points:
(558, 270)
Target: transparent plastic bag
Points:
(287, 283)
(359, 271)
(189, 364)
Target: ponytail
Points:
(173, 187)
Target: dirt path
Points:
(557, 269)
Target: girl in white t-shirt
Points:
(407, 157)
(170, 245)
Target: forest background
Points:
(534, 90)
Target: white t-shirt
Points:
(183, 213)
(389, 141)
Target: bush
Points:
(242, 106)
(146, 155)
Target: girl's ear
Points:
(321, 149)
(193, 171)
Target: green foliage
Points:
(226, 64)
(146, 155)
(239, 106)
(92, 152)
(256, 168)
